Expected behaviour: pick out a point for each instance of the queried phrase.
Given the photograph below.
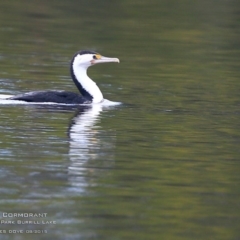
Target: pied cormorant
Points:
(86, 86)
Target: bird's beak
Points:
(103, 59)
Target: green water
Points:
(165, 163)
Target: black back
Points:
(51, 96)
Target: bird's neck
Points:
(87, 87)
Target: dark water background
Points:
(164, 164)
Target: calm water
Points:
(165, 163)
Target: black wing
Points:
(51, 96)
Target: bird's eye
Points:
(96, 56)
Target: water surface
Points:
(165, 163)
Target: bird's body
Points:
(90, 93)
(51, 96)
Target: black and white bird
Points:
(90, 92)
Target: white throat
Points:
(87, 83)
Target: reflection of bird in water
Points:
(86, 86)
(89, 147)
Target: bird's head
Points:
(87, 58)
